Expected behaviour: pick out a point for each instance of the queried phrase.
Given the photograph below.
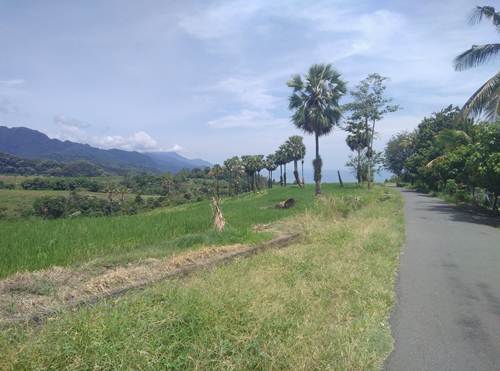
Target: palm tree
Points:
(271, 165)
(234, 169)
(286, 157)
(486, 100)
(297, 152)
(315, 105)
(279, 159)
(259, 164)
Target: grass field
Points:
(321, 303)
(34, 244)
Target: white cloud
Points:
(139, 141)
(75, 130)
(12, 82)
(176, 148)
(248, 119)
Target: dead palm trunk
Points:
(219, 221)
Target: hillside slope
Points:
(32, 144)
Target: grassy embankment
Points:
(33, 244)
(321, 303)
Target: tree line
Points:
(450, 153)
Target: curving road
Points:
(447, 315)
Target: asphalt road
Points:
(447, 315)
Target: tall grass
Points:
(319, 304)
(27, 245)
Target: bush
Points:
(451, 187)
(50, 207)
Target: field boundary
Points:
(107, 286)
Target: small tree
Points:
(370, 105)
(358, 142)
(397, 151)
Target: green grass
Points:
(322, 303)
(33, 244)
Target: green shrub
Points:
(451, 187)
(50, 207)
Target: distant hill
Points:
(32, 144)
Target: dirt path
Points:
(447, 315)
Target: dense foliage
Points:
(448, 153)
(10, 164)
(53, 207)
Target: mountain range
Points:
(32, 144)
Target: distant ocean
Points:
(329, 175)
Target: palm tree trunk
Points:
(281, 175)
(296, 173)
(302, 163)
(284, 174)
(317, 166)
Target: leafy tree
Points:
(360, 163)
(399, 148)
(370, 105)
(358, 142)
(297, 151)
(315, 105)
(486, 100)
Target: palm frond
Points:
(485, 100)
(480, 12)
(476, 55)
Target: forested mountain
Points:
(32, 144)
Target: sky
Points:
(208, 78)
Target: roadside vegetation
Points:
(455, 152)
(320, 303)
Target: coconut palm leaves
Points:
(486, 100)
(315, 105)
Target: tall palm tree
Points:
(234, 169)
(271, 165)
(486, 100)
(315, 105)
(286, 157)
(279, 159)
(297, 152)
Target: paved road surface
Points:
(447, 315)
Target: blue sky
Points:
(208, 78)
